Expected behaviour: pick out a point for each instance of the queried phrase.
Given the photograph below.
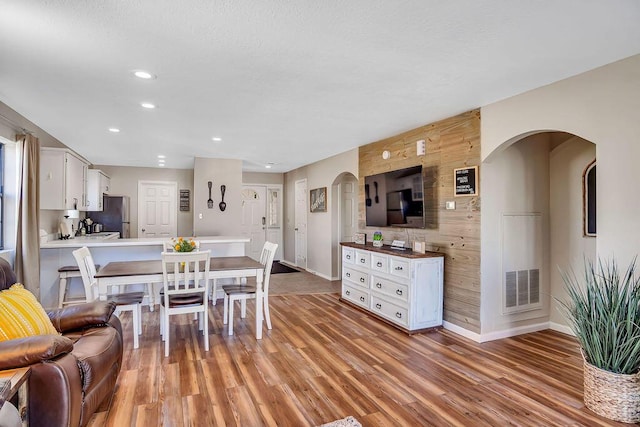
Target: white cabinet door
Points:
(52, 179)
(97, 185)
(63, 178)
(75, 182)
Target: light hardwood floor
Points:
(324, 360)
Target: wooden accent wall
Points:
(451, 143)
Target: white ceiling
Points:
(288, 82)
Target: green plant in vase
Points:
(603, 310)
(377, 239)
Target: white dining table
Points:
(122, 273)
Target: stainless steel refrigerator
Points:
(114, 215)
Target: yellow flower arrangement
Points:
(182, 245)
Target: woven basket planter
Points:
(614, 396)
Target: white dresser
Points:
(401, 287)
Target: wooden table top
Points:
(153, 267)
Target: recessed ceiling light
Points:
(148, 105)
(144, 74)
(114, 130)
(216, 139)
(161, 161)
(161, 165)
(161, 156)
(268, 166)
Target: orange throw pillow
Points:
(21, 315)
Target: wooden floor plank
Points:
(325, 360)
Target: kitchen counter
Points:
(105, 247)
(109, 239)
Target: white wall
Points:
(262, 178)
(319, 224)
(601, 106)
(515, 181)
(215, 222)
(568, 243)
(124, 181)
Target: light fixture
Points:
(161, 156)
(268, 166)
(161, 165)
(386, 154)
(114, 130)
(216, 139)
(421, 147)
(148, 105)
(141, 74)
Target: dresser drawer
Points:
(391, 288)
(348, 255)
(356, 296)
(395, 313)
(355, 277)
(363, 259)
(380, 263)
(399, 267)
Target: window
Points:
(8, 193)
(589, 199)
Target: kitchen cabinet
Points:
(63, 178)
(404, 288)
(98, 183)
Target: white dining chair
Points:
(248, 291)
(186, 289)
(126, 301)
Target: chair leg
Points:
(136, 324)
(139, 308)
(267, 316)
(152, 296)
(166, 333)
(205, 316)
(214, 291)
(231, 303)
(243, 308)
(225, 311)
(62, 291)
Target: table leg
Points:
(259, 296)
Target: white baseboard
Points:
(561, 328)
(319, 274)
(506, 333)
(461, 331)
(512, 332)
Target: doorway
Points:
(262, 218)
(345, 214)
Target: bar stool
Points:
(68, 272)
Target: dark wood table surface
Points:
(153, 267)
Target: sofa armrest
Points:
(23, 352)
(80, 316)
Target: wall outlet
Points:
(450, 205)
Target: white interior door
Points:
(254, 211)
(301, 223)
(157, 209)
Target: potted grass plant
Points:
(603, 310)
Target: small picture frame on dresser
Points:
(419, 247)
(360, 238)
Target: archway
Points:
(532, 222)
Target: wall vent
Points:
(522, 289)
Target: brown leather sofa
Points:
(71, 373)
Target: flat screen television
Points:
(395, 198)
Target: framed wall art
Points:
(318, 199)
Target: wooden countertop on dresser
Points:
(386, 249)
